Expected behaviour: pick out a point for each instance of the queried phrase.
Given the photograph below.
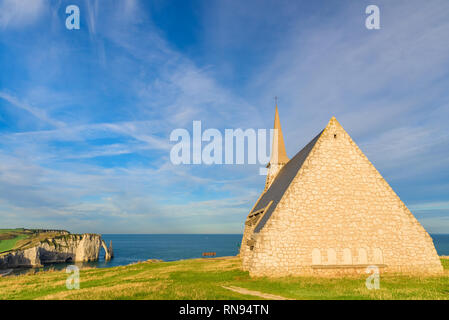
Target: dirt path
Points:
(256, 293)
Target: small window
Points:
(363, 256)
(331, 256)
(316, 256)
(347, 256)
(378, 257)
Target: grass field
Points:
(205, 278)
(8, 244)
(10, 237)
(22, 238)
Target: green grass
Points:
(9, 238)
(204, 278)
(9, 230)
(9, 244)
(22, 238)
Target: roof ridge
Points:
(283, 181)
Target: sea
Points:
(132, 248)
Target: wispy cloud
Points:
(89, 112)
(37, 112)
(20, 14)
(430, 206)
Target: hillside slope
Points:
(12, 239)
(207, 279)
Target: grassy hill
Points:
(11, 239)
(206, 279)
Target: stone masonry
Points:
(328, 211)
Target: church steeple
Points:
(278, 154)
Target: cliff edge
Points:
(61, 248)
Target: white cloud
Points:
(386, 87)
(37, 112)
(136, 197)
(383, 88)
(429, 206)
(20, 13)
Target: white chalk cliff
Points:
(63, 248)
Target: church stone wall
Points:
(246, 251)
(339, 216)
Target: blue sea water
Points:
(441, 242)
(130, 248)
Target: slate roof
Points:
(282, 182)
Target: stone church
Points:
(328, 211)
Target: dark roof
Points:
(282, 182)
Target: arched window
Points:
(362, 257)
(347, 256)
(316, 256)
(331, 256)
(378, 257)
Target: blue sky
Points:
(85, 115)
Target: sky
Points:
(86, 115)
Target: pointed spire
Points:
(278, 153)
